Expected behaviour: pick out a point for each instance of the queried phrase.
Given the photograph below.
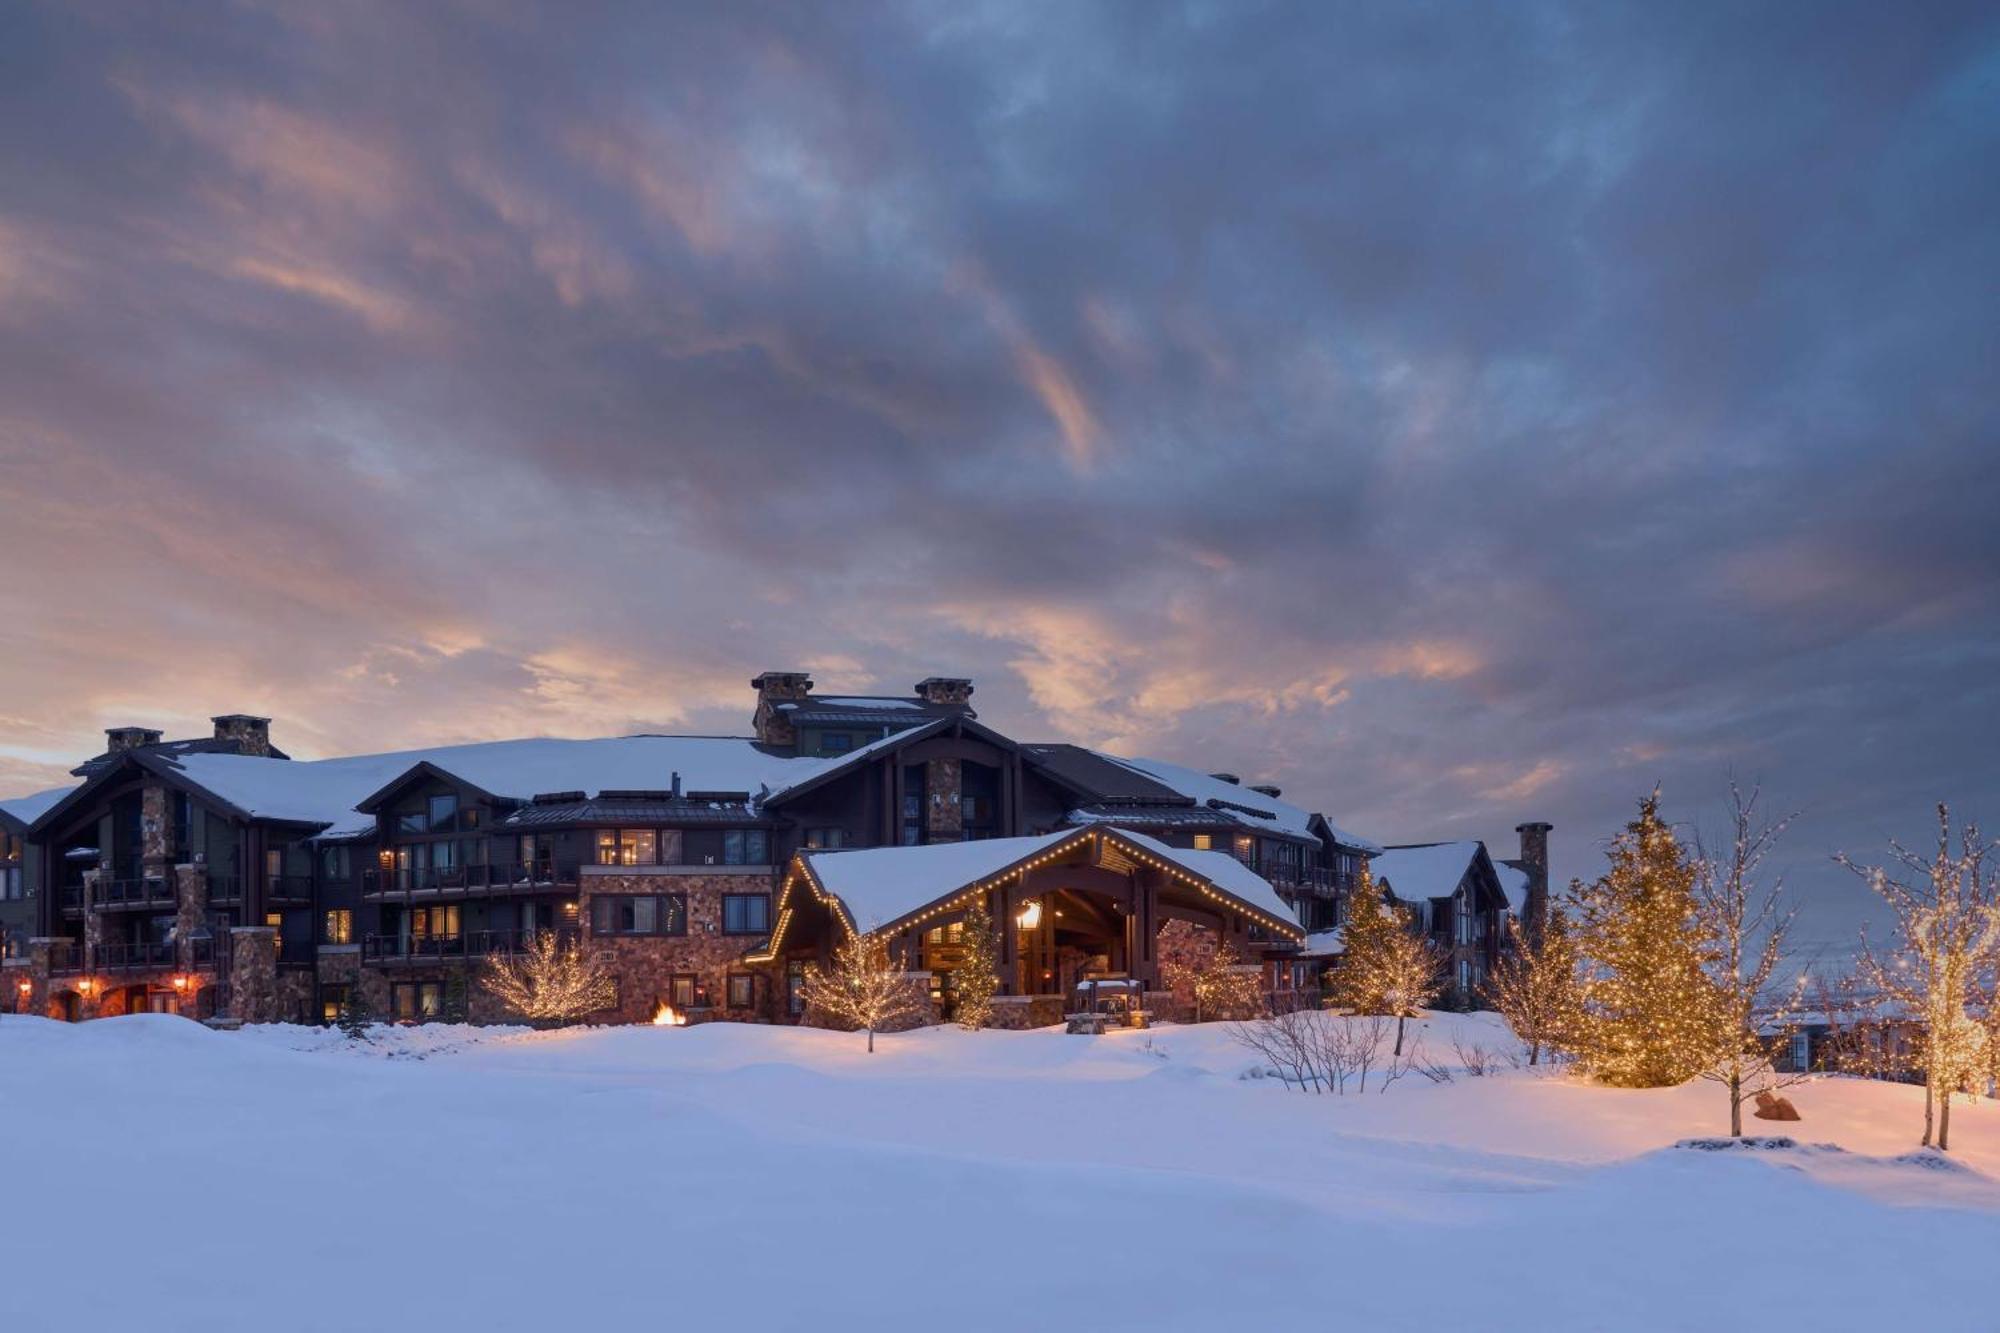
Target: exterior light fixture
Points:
(1030, 914)
(180, 981)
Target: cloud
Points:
(1455, 422)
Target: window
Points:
(1204, 842)
(639, 914)
(443, 812)
(411, 821)
(826, 838)
(10, 883)
(682, 990)
(835, 742)
(607, 847)
(746, 913)
(742, 990)
(637, 847)
(332, 999)
(795, 988)
(418, 1001)
(1242, 849)
(339, 926)
(913, 815)
(746, 847)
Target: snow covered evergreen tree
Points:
(1650, 1017)
(976, 979)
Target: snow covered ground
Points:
(162, 1176)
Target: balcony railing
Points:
(66, 956)
(135, 956)
(471, 944)
(224, 888)
(465, 879)
(144, 891)
(288, 888)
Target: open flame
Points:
(666, 1016)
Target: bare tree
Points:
(865, 988)
(1747, 924)
(552, 981)
(1947, 935)
(1535, 985)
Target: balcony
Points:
(445, 948)
(138, 891)
(66, 957)
(224, 888)
(135, 957)
(295, 889)
(450, 880)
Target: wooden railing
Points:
(470, 944)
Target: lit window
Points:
(637, 847)
(1204, 842)
(339, 926)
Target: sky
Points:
(1456, 415)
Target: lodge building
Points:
(219, 878)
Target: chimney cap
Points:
(241, 717)
(781, 680)
(1229, 778)
(1267, 789)
(1533, 826)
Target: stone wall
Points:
(1017, 1013)
(156, 830)
(646, 965)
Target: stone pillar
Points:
(93, 920)
(253, 974)
(156, 829)
(944, 815)
(190, 910)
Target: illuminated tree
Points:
(1747, 925)
(553, 980)
(1534, 985)
(1223, 986)
(864, 989)
(976, 979)
(1947, 935)
(1387, 965)
(1650, 1016)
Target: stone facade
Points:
(156, 830)
(1018, 1013)
(646, 965)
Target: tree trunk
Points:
(1534, 1053)
(871, 1041)
(1735, 1106)
(1400, 1020)
(1930, 1109)
(1944, 1122)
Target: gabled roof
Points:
(881, 886)
(1253, 808)
(18, 812)
(833, 766)
(1420, 871)
(1332, 832)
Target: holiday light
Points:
(552, 979)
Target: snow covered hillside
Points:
(163, 1176)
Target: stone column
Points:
(93, 921)
(190, 910)
(253, 974)
(944, 815)
(156, 829)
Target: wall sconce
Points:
(1030, 914)
(180, 981)
(25, 987)
(83, 985)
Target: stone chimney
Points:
(251, 734)
(944, 690)
(772, 724)
(1535, 860)
(129, 738)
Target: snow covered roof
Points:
(1324, 944)
(880, 885)
(1514, 883)
(28, 809)
(1416, 873)
(325, 791)
(1252, 807)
